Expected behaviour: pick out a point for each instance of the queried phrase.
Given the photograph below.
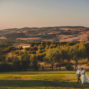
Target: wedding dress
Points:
(84, 77)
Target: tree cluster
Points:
(43, 56)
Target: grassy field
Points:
(40, 80)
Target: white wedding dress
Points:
(84, 78)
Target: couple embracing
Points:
(82, 76)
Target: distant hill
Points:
(60, 34)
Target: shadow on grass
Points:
(33, 73)
(39, 83)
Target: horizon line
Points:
(44, 27)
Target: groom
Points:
(78, 72)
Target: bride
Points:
(84, 77)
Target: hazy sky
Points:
(38, 13)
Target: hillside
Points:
(61, 34)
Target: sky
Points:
(43, 13)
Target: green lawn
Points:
(40, 80)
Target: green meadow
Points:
(40, 80)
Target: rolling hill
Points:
(60, 34)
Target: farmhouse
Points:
(23, 46)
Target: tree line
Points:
(43, 56)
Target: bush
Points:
(69, 66)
